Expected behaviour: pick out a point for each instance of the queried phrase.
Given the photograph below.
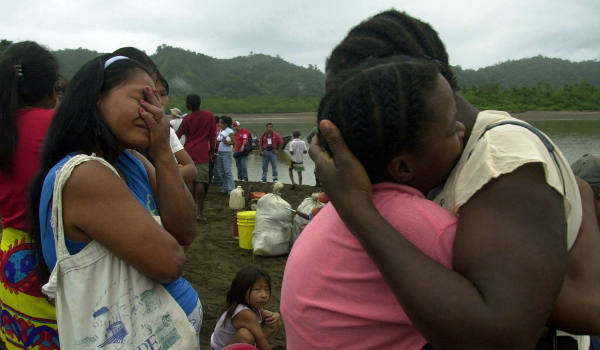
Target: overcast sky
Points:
(476, 33)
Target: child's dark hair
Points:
(296, 134)
(192, 102)
(28, 73)
(78, 126)
(268, 124)
(389, 33)
(378, 107)
(241, 286)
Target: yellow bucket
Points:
(245, 221)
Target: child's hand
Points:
(271, 319)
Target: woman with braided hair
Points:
(520, 213)
(399, 117)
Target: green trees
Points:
(259, 83)
(580, 96)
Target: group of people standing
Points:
(502, 256)
(213, 149)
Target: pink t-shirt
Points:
(334, 297)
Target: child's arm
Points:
(247, 319)
(271, 323)
(270, 318)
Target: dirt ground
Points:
(215, 257)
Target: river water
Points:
(573, 137)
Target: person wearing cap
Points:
(242, 138)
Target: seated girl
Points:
(397, 115)
(244, 318)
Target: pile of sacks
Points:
(276, 226)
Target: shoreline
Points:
(557, 115)
(309, 117)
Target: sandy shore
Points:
(215, 256)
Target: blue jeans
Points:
(269, 157)
(224, 164)
(242, 169)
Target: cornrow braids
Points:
(379, 108)
(387, 34)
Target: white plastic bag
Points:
(306, 207)
(272, 229)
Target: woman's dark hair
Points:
(389, 33)
(226, 120)
(78, 126)
(241, 286)
(28, 73)
(141, 57)
(379, 108)
(192, 102)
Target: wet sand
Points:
(215, 257)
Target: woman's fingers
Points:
(334, 139)
(341, 174)
(151, 95)
(148, 118)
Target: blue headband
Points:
(114, 59)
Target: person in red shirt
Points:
(199, 130)
(242, 138)
(28, 77)
(269, 145)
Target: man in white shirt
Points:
(297, 149)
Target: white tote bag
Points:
(104, 303)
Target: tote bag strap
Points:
(62, 175)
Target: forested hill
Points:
(239, 77)
(260, 83)
(530, 72)
(263, 75)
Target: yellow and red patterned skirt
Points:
(27, 319)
